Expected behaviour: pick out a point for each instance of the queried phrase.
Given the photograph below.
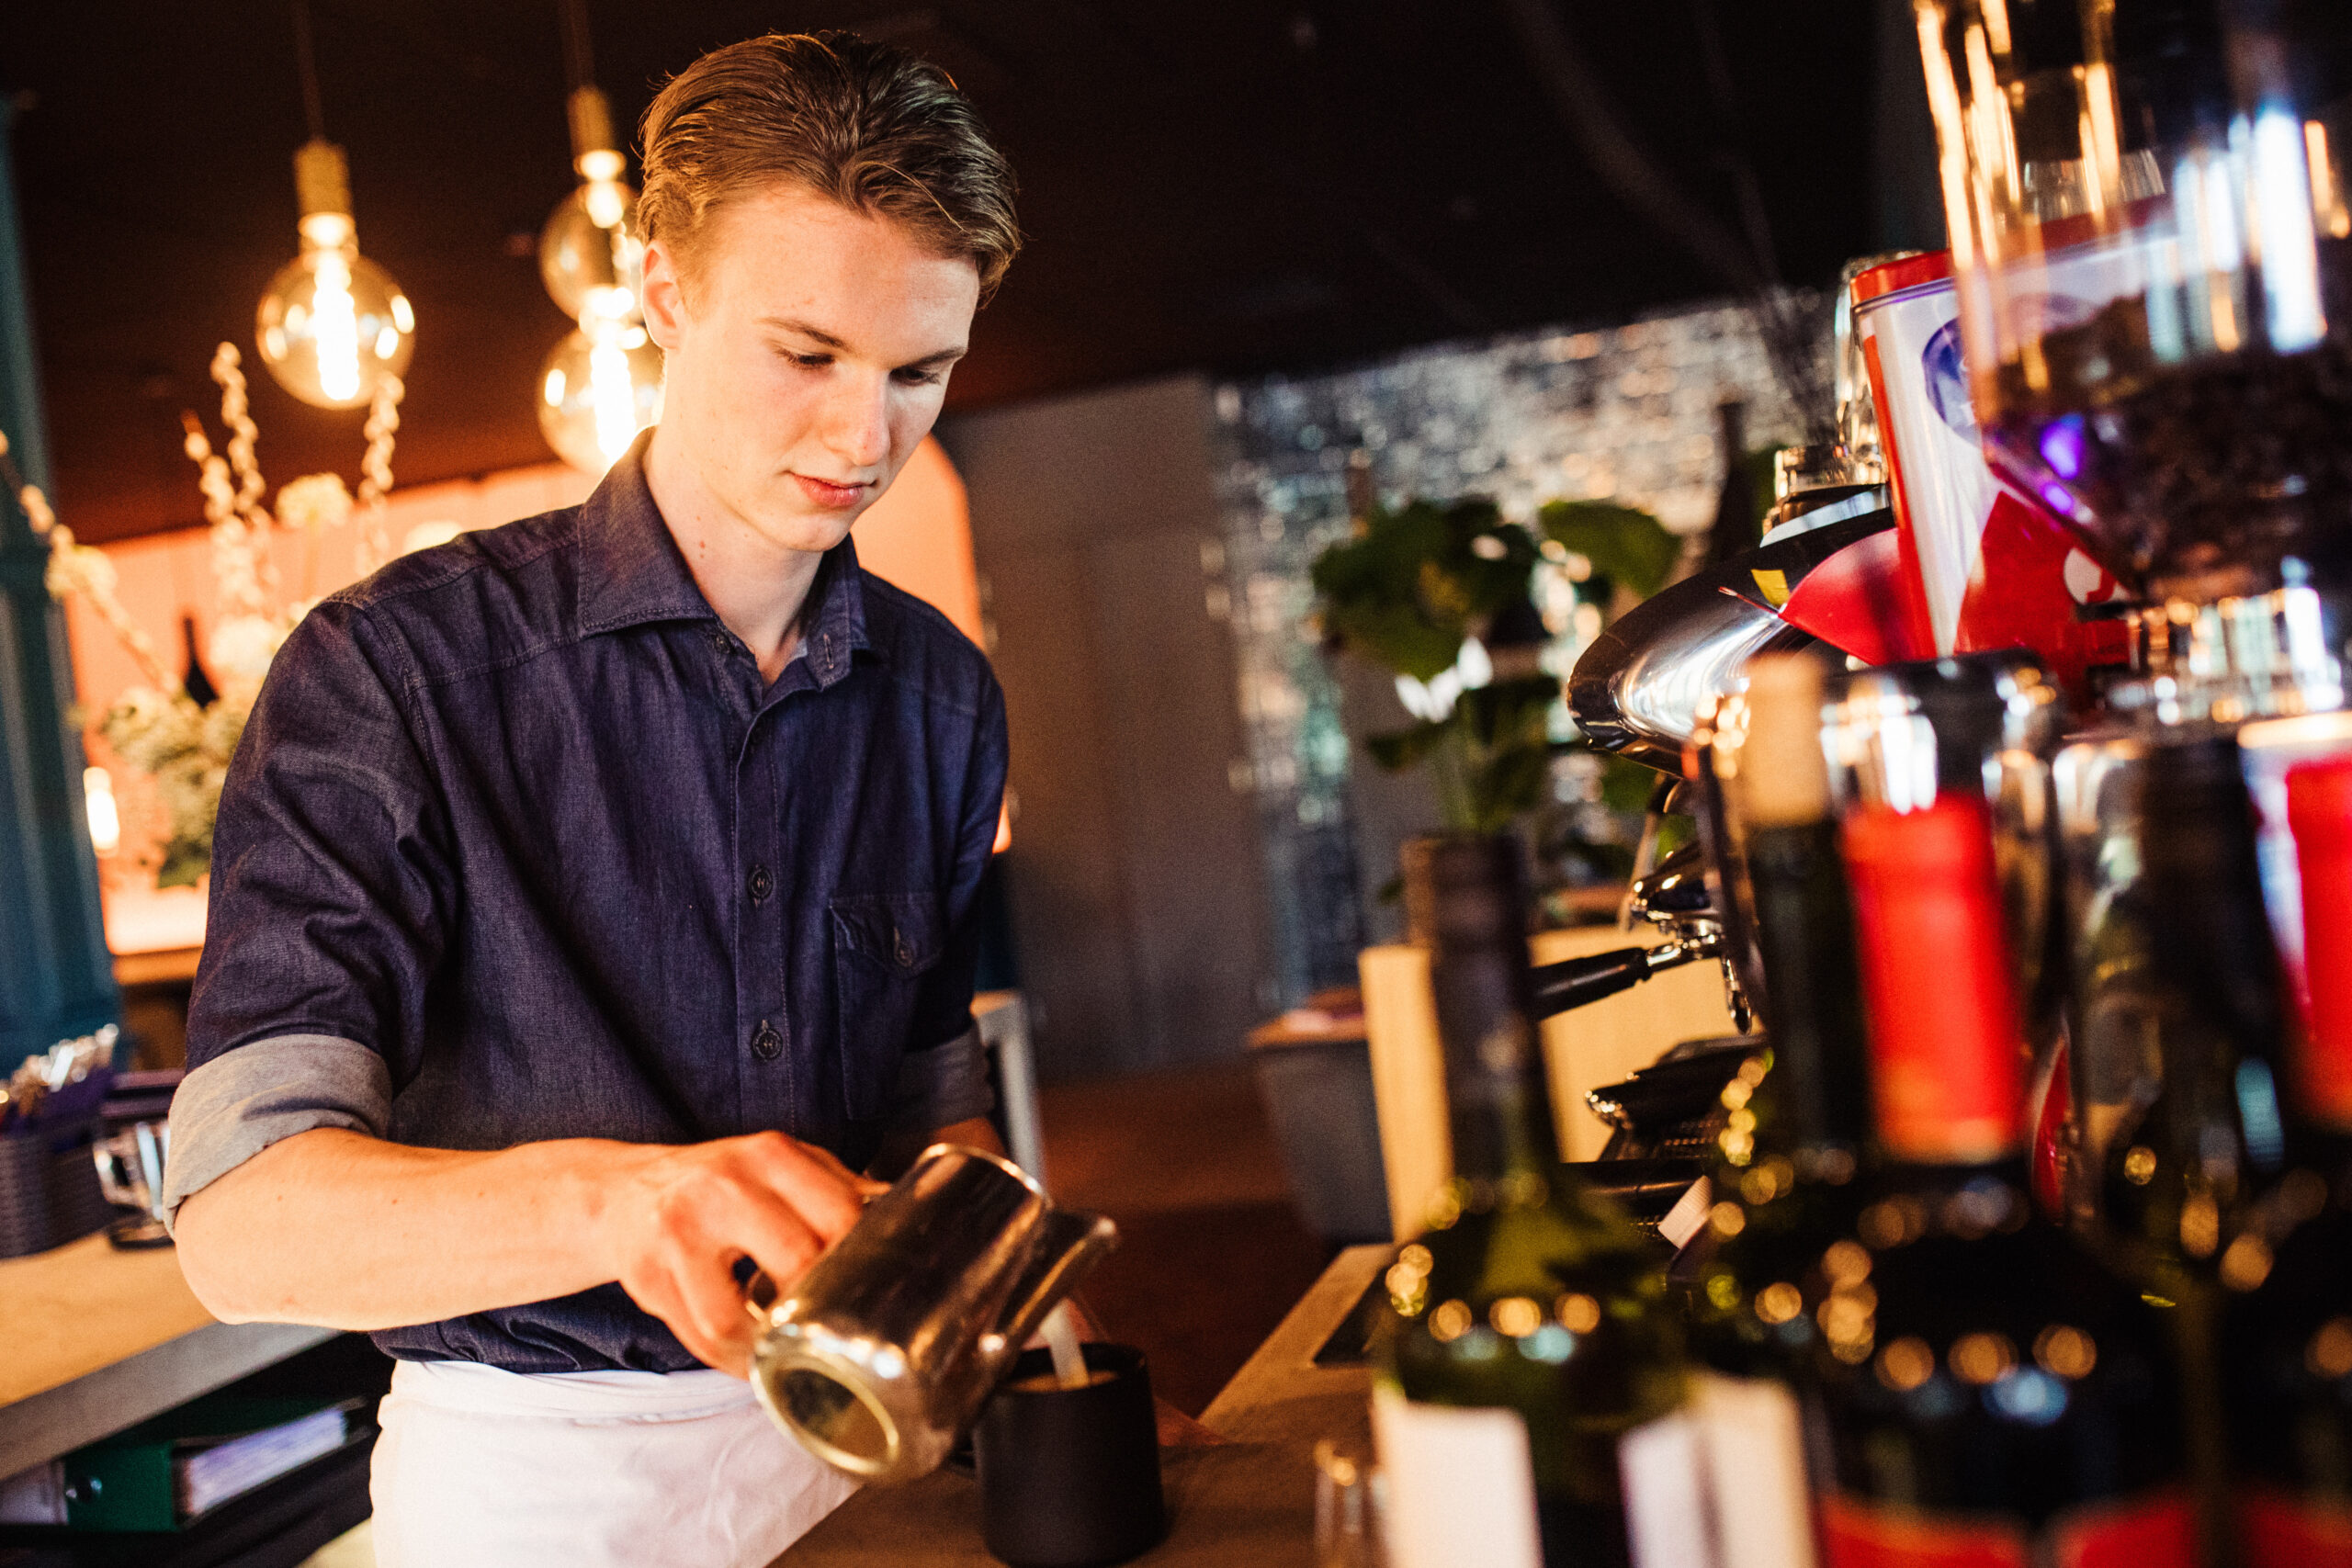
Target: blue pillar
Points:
(56, 978)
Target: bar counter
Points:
(99, 1339)
(1243, 1503)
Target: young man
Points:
(592, 898)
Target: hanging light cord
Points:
(306, 61)
(577, 59)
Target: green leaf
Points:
(1762, 466)
(1413, 582)
(1510, 713)
(1623, 545)
(1511, 782)
(186, 861)
(1397, 637)
(1625, 785)
(1404, 748)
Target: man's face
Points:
(809, 348)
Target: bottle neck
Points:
(2225, 1016)
(1819, 1086)
(1946, 1059)
(1498, 1106)
(2319, 814)
(1465, 897)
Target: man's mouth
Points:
(832, 493)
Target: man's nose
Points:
(857, 425)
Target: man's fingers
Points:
(659, 1294)
(865, 1186)
(779, 1241)
(821, 1193)
(712, 1303)
(705, 1207)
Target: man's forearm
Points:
(334, 1227)
(339, 1229)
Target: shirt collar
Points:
(631, 573)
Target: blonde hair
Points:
(870, 126)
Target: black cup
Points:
(1069, 1477)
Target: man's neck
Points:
(758, 587)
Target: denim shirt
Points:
(519, 845)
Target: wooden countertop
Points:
(98, 1339)
(1244, 1503)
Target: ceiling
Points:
(1219, 184)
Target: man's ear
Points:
(665, 297)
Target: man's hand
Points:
(679, 1219)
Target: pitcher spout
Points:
(1073, 1241)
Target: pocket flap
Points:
(901, 931)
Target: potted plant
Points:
(1439, 595)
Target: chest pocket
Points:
(884, 943)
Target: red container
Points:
(1985, 565)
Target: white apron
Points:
(481, 1468)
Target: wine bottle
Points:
(1529, 1329)
(1992, 1394)
(1788, 1159)
(1733, 530)
(2286, 1331)
(195, 681)
(2176, 1177)
(2179, 1180)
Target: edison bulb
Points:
(590, 255)
(334, 322)
(596, 391)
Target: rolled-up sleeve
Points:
(331, 897)
(941, 1087)
(236, 1105)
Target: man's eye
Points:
(913, 377)
(809, 361)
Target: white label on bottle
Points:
(1689, 1213)
(1664, 1466)
(1719, 1483)
(1756, 1471)
(1460, 1485)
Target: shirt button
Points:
(767, 1043)
(760, 884)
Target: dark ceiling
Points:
(1223, 183)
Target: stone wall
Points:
(1625, 412)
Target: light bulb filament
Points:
(334, 323)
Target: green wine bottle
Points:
(1788, 1160)
(2180, 1180)
(2287, 1326)
(2177, 1178)
(1530, 1329)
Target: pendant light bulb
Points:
(591, 257)
(333, 323)
(598, 388)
